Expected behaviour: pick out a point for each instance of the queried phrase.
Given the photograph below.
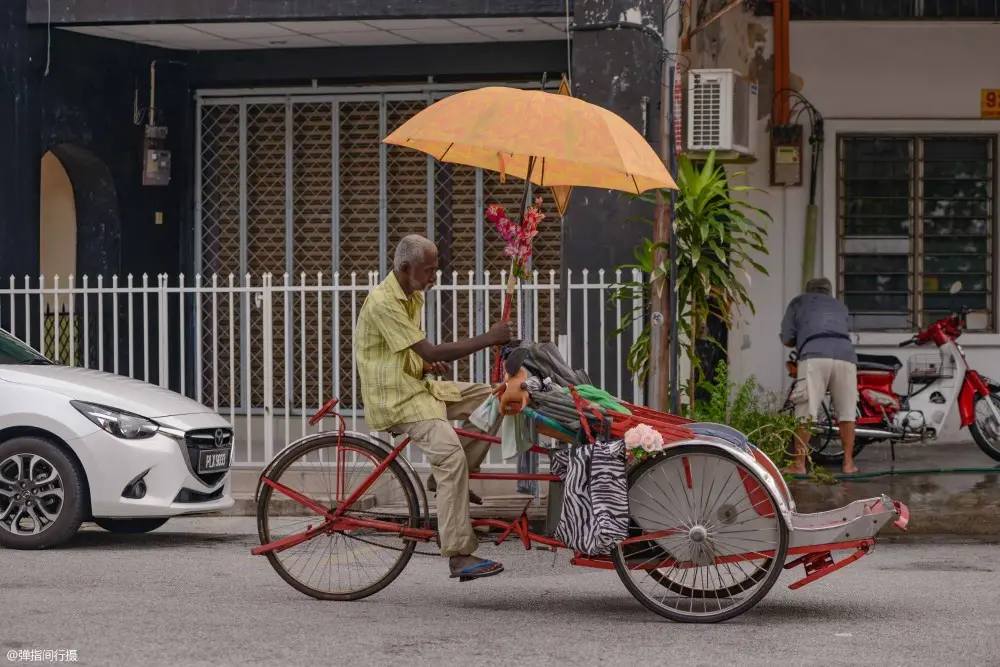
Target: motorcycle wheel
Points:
(827, 448)
(985, 429)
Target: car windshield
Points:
(13, 351)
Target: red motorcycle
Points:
(936, 382)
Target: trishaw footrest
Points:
(821, 564)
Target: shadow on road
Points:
(626, 609)
(99, 539)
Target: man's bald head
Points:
(415, 263)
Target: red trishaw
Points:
(711, 521)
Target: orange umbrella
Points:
(561, 140)
(545, 139)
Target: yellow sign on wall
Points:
(989, 103)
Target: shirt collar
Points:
(396, 290)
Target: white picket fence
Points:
(266, 352)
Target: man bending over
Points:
(393, 356)
(817, 325)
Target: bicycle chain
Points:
(379, 515)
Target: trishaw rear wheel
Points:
(330, 470)
(718, 540)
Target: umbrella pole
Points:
(512, 279)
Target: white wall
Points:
(861, 77)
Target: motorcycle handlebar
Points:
(908, 342)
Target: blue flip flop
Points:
(487, 568)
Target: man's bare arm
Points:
(499, 333)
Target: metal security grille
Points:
(301, 184)
(916, 214)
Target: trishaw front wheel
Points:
(341, 565)
(717, 541)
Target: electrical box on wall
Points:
(155, 157)
(786, 155)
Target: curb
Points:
(949, 506)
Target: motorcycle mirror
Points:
(855, 338)
(956, 287)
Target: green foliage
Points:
(751, 410)
(716, 238)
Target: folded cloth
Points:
(595, 512)
(527, 464)
(514, 436)
(599, 397)
(545, 361)
(485, 416)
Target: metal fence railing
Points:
(266, 352)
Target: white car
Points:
(82, 445)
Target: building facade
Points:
(273, 119)
(272, 116)
(907, 177)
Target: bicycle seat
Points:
(879, 362)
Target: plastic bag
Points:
(485, 416)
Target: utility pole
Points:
(663, 320)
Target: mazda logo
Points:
(220, 437)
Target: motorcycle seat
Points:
(879, 362)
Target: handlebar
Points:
(908, 342)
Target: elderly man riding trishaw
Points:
(697, 522)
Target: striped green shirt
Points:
(392, 385)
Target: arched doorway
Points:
(57, 227)
(57, 258)
(79, 235)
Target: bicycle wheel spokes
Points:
(716, 536)
(343, 562)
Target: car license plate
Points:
(213, 460)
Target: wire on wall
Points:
(48, 40)
(569, 49)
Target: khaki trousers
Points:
(452, 459)
(817, 376)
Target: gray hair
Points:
(412, 249)
(819, 286)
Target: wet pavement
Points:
(965, 503)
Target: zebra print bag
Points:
(595, 496)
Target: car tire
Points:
(130, 526)
(73, 508)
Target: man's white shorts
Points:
(817, 376)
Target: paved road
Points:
(191, 594)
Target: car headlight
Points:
(118, 423)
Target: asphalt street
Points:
(191, 594)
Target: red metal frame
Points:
(816, 559)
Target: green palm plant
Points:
(717, 237)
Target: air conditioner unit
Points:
(721, 112)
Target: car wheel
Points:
(42, 494)
(130, 526)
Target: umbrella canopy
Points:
(567, 141)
